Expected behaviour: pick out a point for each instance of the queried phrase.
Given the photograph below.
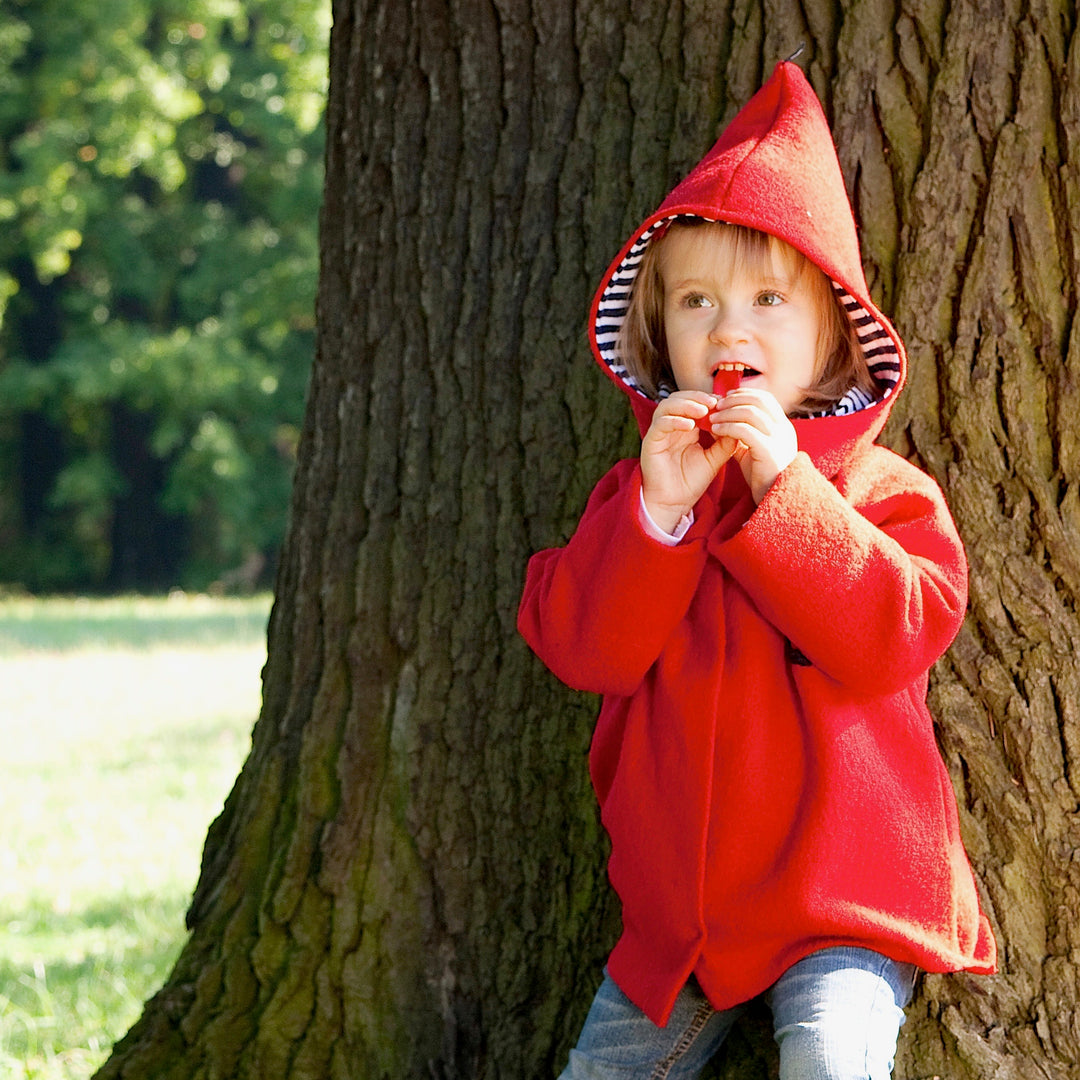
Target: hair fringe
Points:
(641, 347)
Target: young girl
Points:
(759, 604)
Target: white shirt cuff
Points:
(656, 533)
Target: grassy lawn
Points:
(124, 725)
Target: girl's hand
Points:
(765, 437)
(675, 468)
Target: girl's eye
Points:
(696, 300)
(770, 299)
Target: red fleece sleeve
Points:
(871, 596)
(599, 610)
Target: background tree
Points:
(160, 171)
(408, 877)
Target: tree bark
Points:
(408, 878)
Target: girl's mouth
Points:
(728, 376)
(725, 379)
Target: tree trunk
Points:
(408, 879)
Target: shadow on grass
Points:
(72, 983)
(134, 623)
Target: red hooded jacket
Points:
(764, 758)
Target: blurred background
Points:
(160, 175)
(160, 182)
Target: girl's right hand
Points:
(676, 469)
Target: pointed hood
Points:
(774, 169)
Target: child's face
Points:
(719, 310)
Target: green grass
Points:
(124, 725)
(137, 622)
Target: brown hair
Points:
(642, 346)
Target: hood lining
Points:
(876, 343)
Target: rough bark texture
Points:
(407, 880)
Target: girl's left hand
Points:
(767, 440)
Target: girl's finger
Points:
(674, 422)
(748, 393)
(747, 416)
(693, 403)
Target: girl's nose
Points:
(728, 328)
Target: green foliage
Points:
(160, 177)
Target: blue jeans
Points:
(836, 1016)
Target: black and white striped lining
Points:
(877, 345)
(880, 352)
(613, 306)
